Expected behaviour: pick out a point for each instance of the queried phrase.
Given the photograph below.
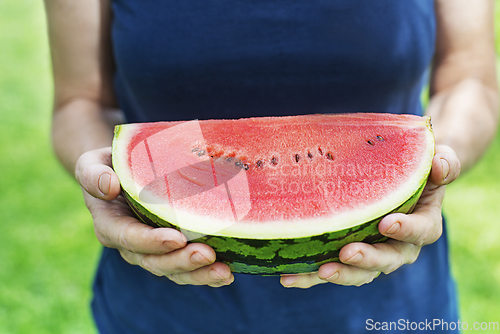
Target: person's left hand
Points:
(361, 262)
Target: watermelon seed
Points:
(274, 161)
(309, 155)
(241, 165)
(329, 156)
(202, 152)
(297, 158)
(259, 163)
(380, 138)
(195, 149)
(370, 142)
(230, 159)
(320, 151)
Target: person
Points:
(171, 60)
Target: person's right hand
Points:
(162, 251)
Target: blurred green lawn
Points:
(48, 250)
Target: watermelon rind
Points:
(282, 256)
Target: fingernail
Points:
(104, 183)
(334, 276)
(214, 275)
(446, 168)
(288, 282)
(173, 244)
(198, 258)
(357, 258)
(394, 228)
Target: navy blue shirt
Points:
(183, 60)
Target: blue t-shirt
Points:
(183, 60)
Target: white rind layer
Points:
(275, 229)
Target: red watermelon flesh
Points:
(274, 177)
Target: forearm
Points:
(79, 126)
(464, 117)
(464, 91)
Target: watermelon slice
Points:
(275, 195)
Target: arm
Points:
(82, 134)
(464, 91)
(82, 70)
(464, 111)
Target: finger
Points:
(189, 258)
(94, 173)
(445, 166)
(302, 281)
(134, 236)
(215, 275)
(343, 274)
(383, 257)
(116, 228)
(422, 227)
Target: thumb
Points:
(94, 173)
(445, 166)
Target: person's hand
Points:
(361, 262)
(162, 251)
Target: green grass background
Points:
(48, 250)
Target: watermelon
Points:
(275, 195)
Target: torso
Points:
(182, 60)
(231, 59)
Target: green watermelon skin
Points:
(282, 256)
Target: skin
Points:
(463, 106)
